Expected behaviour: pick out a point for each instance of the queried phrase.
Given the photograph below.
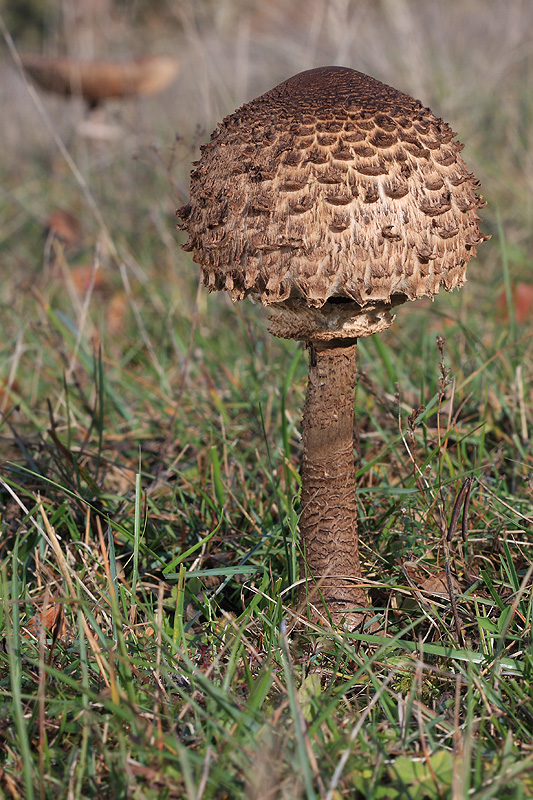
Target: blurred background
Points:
(84, 188)
(469, 60)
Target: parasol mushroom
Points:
(331, 199)
(97, 81)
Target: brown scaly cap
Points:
(331, 199)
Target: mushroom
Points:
(97, 81)
(331, 199)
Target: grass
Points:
(150, 449)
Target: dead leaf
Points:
(522, 296)
(50, 619)
(6, 398)
(64, 226)
(84, 276)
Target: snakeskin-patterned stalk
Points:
(328, 521)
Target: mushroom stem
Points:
(328, 522)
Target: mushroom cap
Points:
(331, 199)
(97, 81)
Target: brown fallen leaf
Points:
(64, 226)
(6, 396)
(83, 276)
(437, 585)
(522, 296)
(50, 618)
(434, 584)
